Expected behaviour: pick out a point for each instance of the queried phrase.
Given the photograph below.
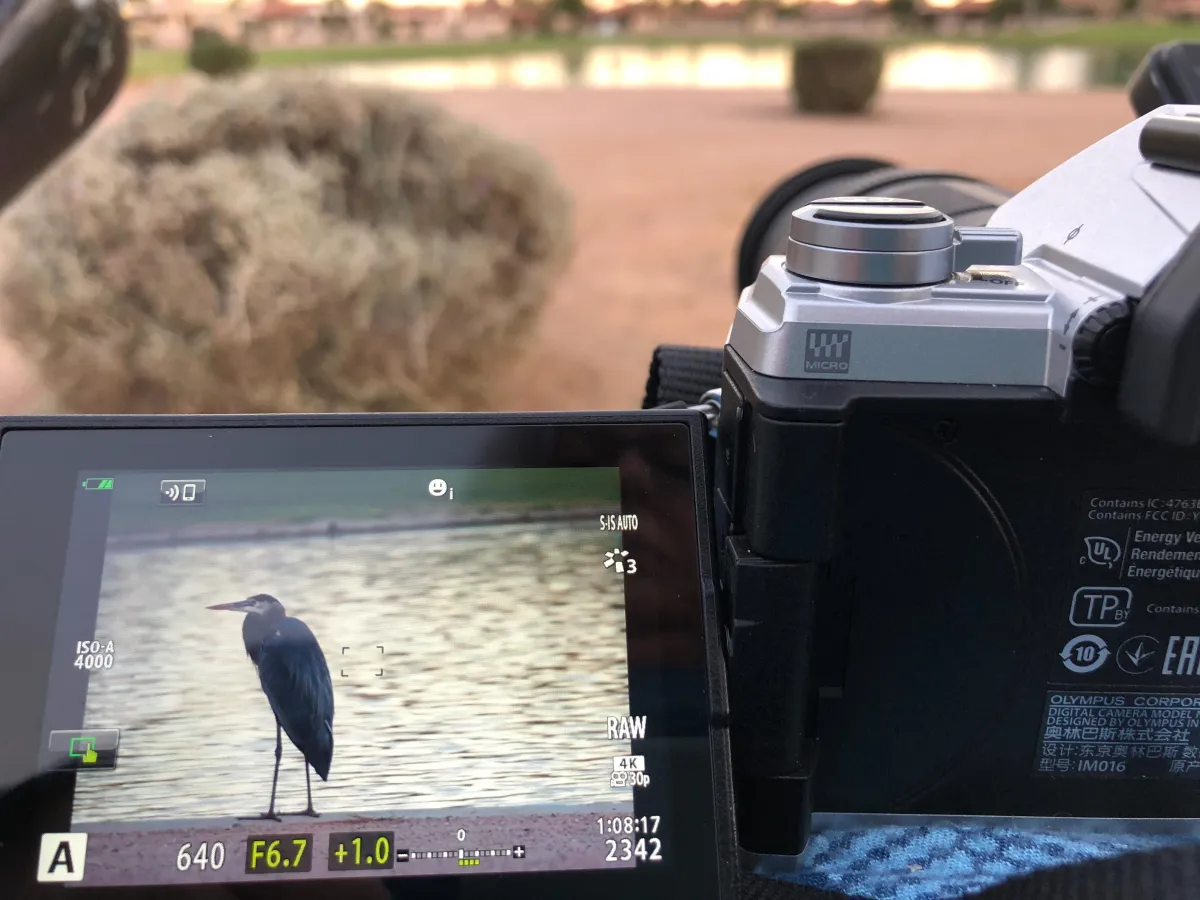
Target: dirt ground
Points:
(663, 182)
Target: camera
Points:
(957, 489)
(923, 539)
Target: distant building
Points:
(280, 23)
(843, 11)
(1106, 9)
(1143, 9)
(422, 23)
(641, 18)
(168, 24)
(484, 21)
(1171, 9)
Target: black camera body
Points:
(957, 503)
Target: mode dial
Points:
(1099, 346)
(889, 242)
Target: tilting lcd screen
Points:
(338, 672)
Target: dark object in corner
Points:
(1170, 73)
(61, 65)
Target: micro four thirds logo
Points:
(827, 351)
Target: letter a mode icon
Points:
(62, 856)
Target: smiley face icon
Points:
(437, 487)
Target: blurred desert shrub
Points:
(836, 75)
(214, 54)
(288, 244)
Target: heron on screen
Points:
(295, 677)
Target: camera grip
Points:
(771, 606)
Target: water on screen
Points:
(503, 654)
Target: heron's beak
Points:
(238, 606)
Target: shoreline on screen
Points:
(618, 807)
(332, 528)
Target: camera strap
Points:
(681, 375)
(1172, 873)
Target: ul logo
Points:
(1101, 551)
(827, 351)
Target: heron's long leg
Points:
(270, 813)
(278, 758)
(308, 784)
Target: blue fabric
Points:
(942, 862)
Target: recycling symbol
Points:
(1085, 653)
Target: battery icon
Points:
(98, 484)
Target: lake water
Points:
(488, 697)
(926, 67)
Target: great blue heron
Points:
(295, 677)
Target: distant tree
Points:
(576, 9)
(754, 8)
(335, 19)
(1033, 10)
(573, 12)
(527, 17)
(1000, 11)
(378, 16)
(245, 24)
(904, 12)
(216, 56)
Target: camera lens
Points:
(968, 201)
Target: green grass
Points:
(158, 63)
(1100, 36)
(1097, 36)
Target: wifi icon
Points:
(190, 492)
